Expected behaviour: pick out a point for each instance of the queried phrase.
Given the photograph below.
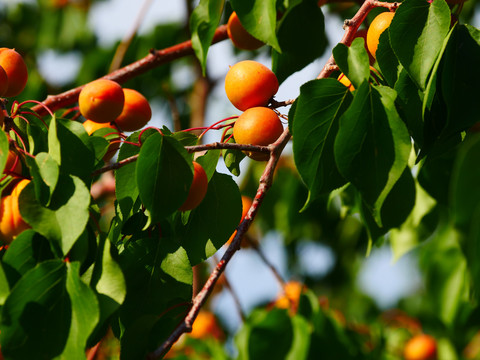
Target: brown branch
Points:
(149, 62)
(351, 26)
(265, 183)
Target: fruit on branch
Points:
(249, 83)
(16, 71)
(240, 37)
(101, 101)
(376, 28)
(136, 111)
(198, 189)
(11, 222)
(257, 126)
(92, 126)
(206, 325)
(363, 34)
(421, 347)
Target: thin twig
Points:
(267, 262)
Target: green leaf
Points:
(315, 126)
(465, 193)
(53, 142)
(416, 35)
(259, 17)
(386, 59)
(301, 339)
(353, 61)
(299, 47)
(460, 78)
(4, 286)
(203, 23)
(214, 220)
(23, 254)
(164, 175)
(209, 162)
(266, 335)
(36, 316)
(111, 282)
(65, 219)
(372, 146)
(4, 148)
(85, 313)
(45, 173)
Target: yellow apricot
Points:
(15, 69)
(11, 222)
(136, 111)
(376, 28)
(240, 37)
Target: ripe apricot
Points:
(11, 222)
(91, 126)
(376, 28)
(290, 296)
(240, 37)
(15, 69)
(206, 325)
(136, 111)
(101, 101)
(346, 81)
(257, 126)
(198, 189)
(421, 347)
(249, 83)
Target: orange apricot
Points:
(206, 325)
(15, 69)
(91, 126)
(198, 189)
(11, 222)
(421, 347)
(249, 83)
(101, 101)
(257, 126)
(240, 37)
(376, 28)
(136, 111)
(346, 81)
(289, 298)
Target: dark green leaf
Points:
(416, 35)
(164, 175)
(372, 146)
(36, 317)
(214, 220)
(4, 148)
(387, 60)
(299, 47)
(315, 126)
(45, 173)
(203, 23)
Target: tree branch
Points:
(149, 62)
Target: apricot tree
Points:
(88, 260)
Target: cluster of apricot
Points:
(13, 78)
(105, 104)
(250, 86)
